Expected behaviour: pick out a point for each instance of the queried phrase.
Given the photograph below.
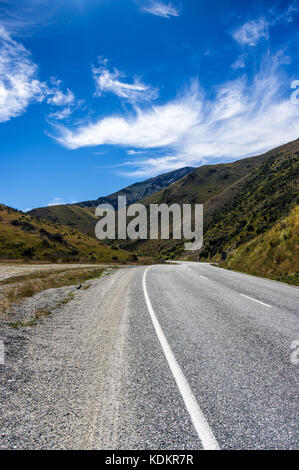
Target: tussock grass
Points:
(273, 254)
(33, 276)
(33, 284)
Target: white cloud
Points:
(239, 63)
(288, 14)
(134, 152)
(56, 201)
(251, 32)
(24, 17)
(19, 83)
(58, 98)
(166, 10)
(107, 81)
(61, 114)
(157, 127)
(243, 119)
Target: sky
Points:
(98, 94)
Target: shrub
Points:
(29, 252)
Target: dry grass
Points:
(27, 286)
(38, 275)
(273, 254)
(39, 314)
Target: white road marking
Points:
(200, 424)
(251, 298)
(204, 277)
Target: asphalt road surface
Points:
(186, 356)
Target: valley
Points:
(250, 219)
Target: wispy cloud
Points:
(20, 85)
(251, 32)
(24, 17)
(60, 114)
(243, 118)
(59, 98)
(288, 14)
(165, 10)
(134, 152)
(56, 201)
(113, 82)
(239, 63)
(157, 127)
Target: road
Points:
(186, 356)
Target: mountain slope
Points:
(252, 205)
(203, 183)
(211, 185)
(274, 253)
(137, 191)
(81, 215)
(260, 191)
(25, 237)
(71, 215)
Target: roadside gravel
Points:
(55, 371)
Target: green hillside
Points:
(25, 237)
(253, 205)
(273, 254)
(250, 214)
(76, 217)
(80, 216)
(215, 186)
(250, 223)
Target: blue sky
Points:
(98, 94)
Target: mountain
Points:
(273, 254)
(243, 201)
(137, 191)
(26, 237)
(250, 213)
(81, 216)
(211, 185)
(71, 215)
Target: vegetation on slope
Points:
(263, 197)
(211, 185)
(76, 217)
(251, 225)
(80, 216)
(246, 204)
(25, 237)
(273, 254)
